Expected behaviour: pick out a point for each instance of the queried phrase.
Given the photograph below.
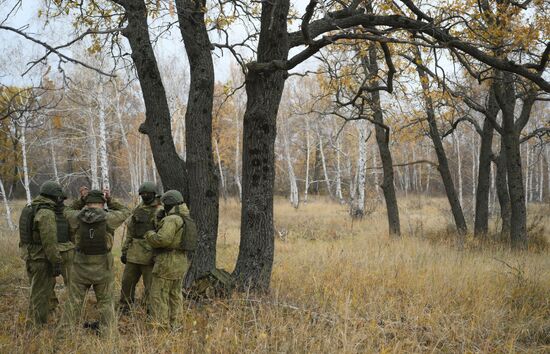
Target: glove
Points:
(56, 270)
(123, 259)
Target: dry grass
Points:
(337, 286)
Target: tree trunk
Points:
(294, 196)
(324, 163)
(26, 183)
(264, 91)
(203, 181)
(383, 141)
(52, 152)
(104, 163)
(481, 223)
(338, 174)
(220, 169)
(358, 207)
(308, 150)
(238, 158)
(157, 125)
(501, 182)
(6, 206)
(511, 130)
(443, 164)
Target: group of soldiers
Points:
(76, 242)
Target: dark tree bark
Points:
(264, 91)
(203, 181)
(443, 164)
(501, 182)
(481, 223)
(157, 125)
(511, 129)
(383, 140)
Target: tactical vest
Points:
(62, 226)
(26, 224)
(92, 234)
(143, 220)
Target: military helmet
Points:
(52, 189)
(95, 196)
(147, 187)
(172, 197)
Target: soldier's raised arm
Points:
(117, 214)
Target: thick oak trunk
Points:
(203, 181)
(481, 223)
(157, 125)
(264, 91)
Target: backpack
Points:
(26, 223)
(215, 283)
(92, 232)
(189, 238)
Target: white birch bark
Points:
(294, 197)
(238, 157)
(220, 169)
(375, 171)
(92, 150)
(103, 139)
(324, 163)
(361, 169)
(459, 161)
(53, 154)
(338, 174)
(26, 183)
(308, 151)
(11, 226)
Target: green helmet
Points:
(52, 189)
(147, 187)
(172, 197)
(95, 196)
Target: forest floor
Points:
(337, 286)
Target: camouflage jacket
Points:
(45, 230)
(170, 261)
(94, 269)
(135, 248)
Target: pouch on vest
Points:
(26, 224)
(92, 232)
(143, 222)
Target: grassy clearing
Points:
(338, 286)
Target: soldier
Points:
(171, 262)
(137, 254)
(38, 243)
(65, 245)
(93, 260)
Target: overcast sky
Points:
(17, 51)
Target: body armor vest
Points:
(92, 232)
(26, 224)
(143, 221)
(62, 226)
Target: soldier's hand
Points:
(83, 190)
(123, 259)
(56, 270)
(107, 194)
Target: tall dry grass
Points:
(338, 286)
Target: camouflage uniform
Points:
(171, 264)
(41, 257)
(94, 270)
(137, 254)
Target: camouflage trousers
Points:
(66, 266)
(40, 273)
(130, 277)
(165, 302)
(104, 293)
